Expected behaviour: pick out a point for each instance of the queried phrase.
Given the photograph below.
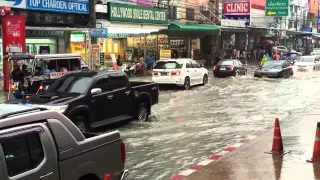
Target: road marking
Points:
(187, 172)
(237, 145)
(205, 162)
(215, 157)
(222, 153)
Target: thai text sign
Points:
(236, 8)
(277, 7)
(131, 13)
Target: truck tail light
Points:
(123, 152)
(175, 73)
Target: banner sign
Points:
(66, 6)
(137, 14)
(236, 8)
(14, 34)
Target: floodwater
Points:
(187, 127)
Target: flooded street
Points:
(188, 126)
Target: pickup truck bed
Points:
(63, 153)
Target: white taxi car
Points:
(181, 72)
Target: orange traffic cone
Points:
(277, 145)
(316, 148)
(107, 177)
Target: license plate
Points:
(164, 74)
(222, 68)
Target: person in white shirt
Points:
(63, 69)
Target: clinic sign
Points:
(236, 11)
(236, 8)
(65, 6)
(136, 14)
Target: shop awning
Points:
(193, 27)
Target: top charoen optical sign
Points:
(236, 8)
(64, 6)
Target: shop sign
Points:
(14, 34)
(44, 33)
(99, 32)
(233, 23)
(77, 37)
(131, 13)
(165, 53)
(66, 6)
(59, 74)
(236, 8)
(102, 59)
(118, 35)
(245, 18)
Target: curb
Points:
(216, 157)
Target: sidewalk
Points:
(250, 162)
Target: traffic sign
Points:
(277, 7)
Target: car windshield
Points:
(71, 84)
(168, 65)
(225, 63)
(273, 65)
(306, 59)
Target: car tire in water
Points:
(186, 84)
(142, 113)
(236, 73)
(81, 124)
(205, 79)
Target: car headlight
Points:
(60, 109)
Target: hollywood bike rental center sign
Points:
(138, 14)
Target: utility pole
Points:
(318, 18)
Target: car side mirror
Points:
(202, 65)
(96, 91)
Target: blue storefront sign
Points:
(99, 32)
(65, 6)
(238, 17)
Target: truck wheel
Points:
(81, 123)
(142, 114)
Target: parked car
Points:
(307, 63)
(181, 72)
(42, 144)
(274, 69)
(93, 99)
(281, 49)
(230, 67)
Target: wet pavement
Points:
(187, 127)
(250, 162)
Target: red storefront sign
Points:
(14, 34)
(13, 41)
(236, 8)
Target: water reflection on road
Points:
(188, 126)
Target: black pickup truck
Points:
(96, 98)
